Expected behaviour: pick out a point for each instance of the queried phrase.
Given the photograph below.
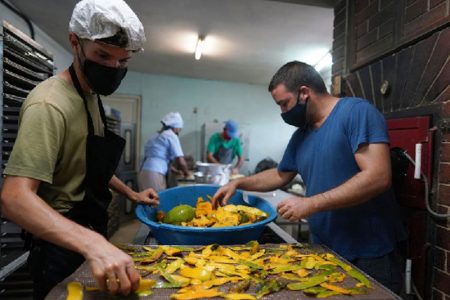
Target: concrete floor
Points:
(126, 232)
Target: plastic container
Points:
(168, 234)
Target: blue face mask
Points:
(296, 116)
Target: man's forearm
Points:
(29, 211)
(211, 159)
(182, 165)
(358, 189)
(268, 180)
(239, 163)
(373, 179)
(117, 185)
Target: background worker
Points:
(224, 146)
(161, 150)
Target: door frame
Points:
(135, 99)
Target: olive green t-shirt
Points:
(51, 142)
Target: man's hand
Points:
(296, 208)
(223, 194)
(21, 204)
(147, 196)
(188, 175)
(112, 269)
(176, 171)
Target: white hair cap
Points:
(173, 119)
(98, 19)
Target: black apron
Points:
(50, 264)
(102, 157)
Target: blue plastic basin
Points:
(168, 234)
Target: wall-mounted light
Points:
(199, 47)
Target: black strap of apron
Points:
(77, 85)
(102, 112)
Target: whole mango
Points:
(178, 214)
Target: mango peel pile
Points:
(244, 272)
(203, 215)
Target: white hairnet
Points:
(98, 19)
(173, 119)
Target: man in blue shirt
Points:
(341, 150)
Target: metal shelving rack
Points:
(23, 64)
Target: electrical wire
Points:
(427, 201)
(416, 292)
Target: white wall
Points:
(250, 105)
(61, 56)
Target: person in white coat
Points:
(161, 150)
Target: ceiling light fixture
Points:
(199, 47)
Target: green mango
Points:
(178, 214)
(243, 217)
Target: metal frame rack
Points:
(23, 64)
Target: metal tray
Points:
(13, 110)
(18, 58)
(24, 71)
(12, 99)
(14, 90)
(10, 119)
(21, 47)
(83, 275)
(10, 127)
(20, 81)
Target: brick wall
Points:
(441, 288)
(404, 45)
(339, 38)
(373, 29)
(421, 16)
(377, 27)
(417, 76)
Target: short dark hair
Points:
(120, 39)
(295, 74)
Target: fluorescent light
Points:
(325, 61)
(199, 47)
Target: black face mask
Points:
(103, 80)
(296, 116)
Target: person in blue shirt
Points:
(341, 150)
(225, 146)
(160, 151)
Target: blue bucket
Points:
(168, 234)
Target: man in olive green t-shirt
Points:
(63, 161)
(51, 142)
